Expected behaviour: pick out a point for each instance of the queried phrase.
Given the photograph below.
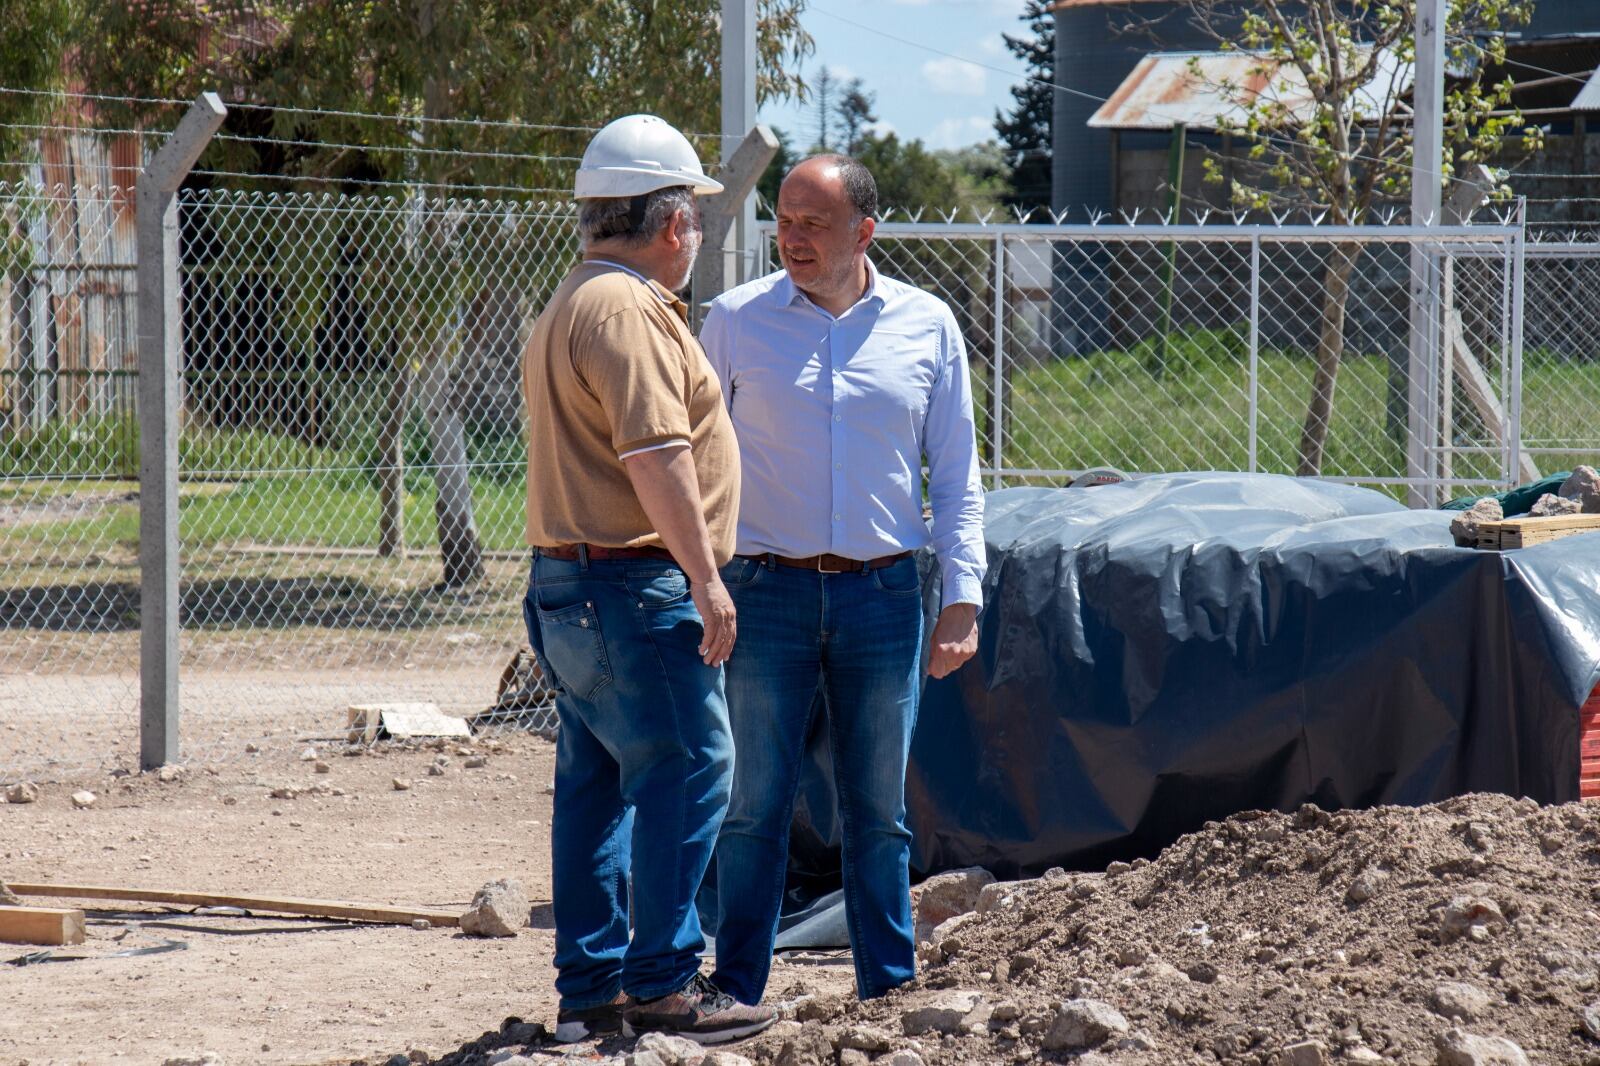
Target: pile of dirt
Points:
(1464, 932)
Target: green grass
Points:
(1108, 409)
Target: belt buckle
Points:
(820, 568)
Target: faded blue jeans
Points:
(856, 637)
(644, 762)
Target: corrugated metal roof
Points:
(1199, 89)
(1588, 98)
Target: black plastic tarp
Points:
(1162, 652)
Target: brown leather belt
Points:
(832, 564)
(569, 552)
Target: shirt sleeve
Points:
(716, 337)
(637, 373)
(955, 490)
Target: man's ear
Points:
(864, 232)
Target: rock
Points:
(1457, 1047)
(1464, 526)
(866, 1038)
(205, 1058)
(1305, 1053)
(1368, 883)
(477, 762)
(1583, 486)
(499, 908)
(945, 936)
(946, 895)
(1470, 915)
(939, 1012)
(1454, 999)
(517, 1058)
(401, 784)
(320, 767)
(1201, 972)
(901, 1057)
(309, 755)
(1590, 1018)
(169, 773)
(1138, 1040)
(251, 749)
(1549, 505)
(405, 1060)
(809, 1047)
(1083, 1023)
(1000, 894)
(287, 792)
(728, 1058)
(1362, 1054)
(852, 1057)
(1117, 869)
(670, 1050)
(421, 923)
(436, 770)
(23, 792)
(83, 799)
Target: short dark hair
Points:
(634, 220)
(859, 184)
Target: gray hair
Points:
(633, 220)
(859, 185)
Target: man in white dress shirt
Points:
(842, 384)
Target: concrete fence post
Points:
(160, 357)
(720, 213)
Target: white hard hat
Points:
(637, 154)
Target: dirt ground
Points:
(276, 990)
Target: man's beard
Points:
(686, 258)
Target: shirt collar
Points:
(788, 292)
(662, 293)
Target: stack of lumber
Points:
(1525, 532)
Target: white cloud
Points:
(993, 47)
(880, 128)
(959, 132)
(957, 77)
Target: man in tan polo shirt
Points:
(633, 495)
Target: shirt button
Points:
(838, 466)
(837, 518)
(838, 418)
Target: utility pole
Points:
(739, 66)
(1427, 184)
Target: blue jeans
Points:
(644, 761)
(856, 637)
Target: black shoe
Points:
(604, 1020)
(699, 1011)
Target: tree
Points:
(33, 38)
(824, 91)
(562, 64)
(1025, 131)
(1348, 146)
(855, 113)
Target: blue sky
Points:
(946, 102)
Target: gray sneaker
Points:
(700, 1011)
(604, 1020)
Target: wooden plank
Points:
(51, 926)
(1558, 521)
(309, 908)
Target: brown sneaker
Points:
(699, 1011)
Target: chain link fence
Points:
(1279, 349)
(352, 456)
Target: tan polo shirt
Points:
(612, 369)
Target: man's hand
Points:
(955, 638)
(717, 615)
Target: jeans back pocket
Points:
(655, 589)
(575, 649)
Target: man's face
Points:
(818, 231)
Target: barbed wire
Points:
(328, 112)
(381, 183)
